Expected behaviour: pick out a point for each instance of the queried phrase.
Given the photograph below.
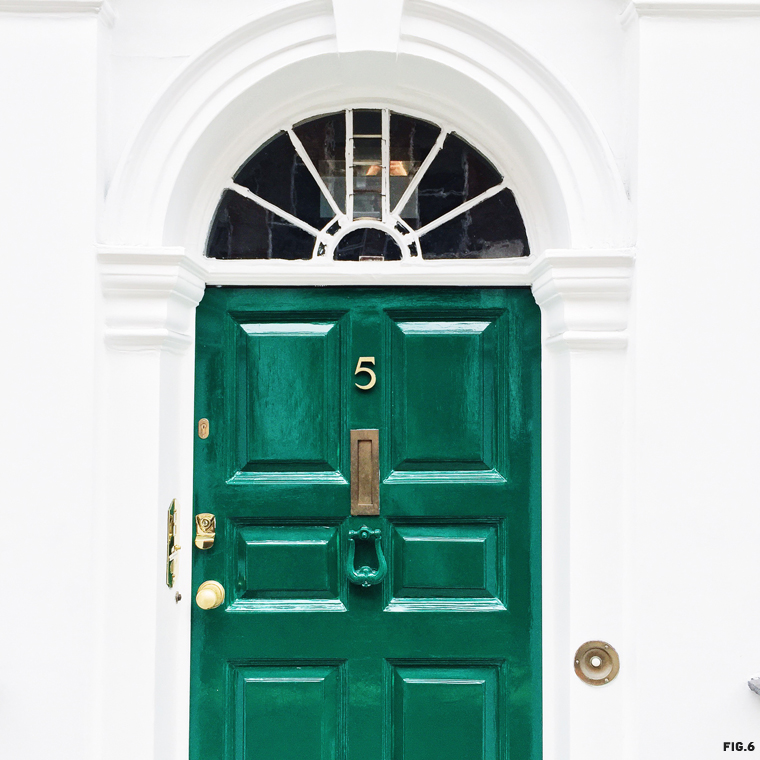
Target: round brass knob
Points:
(210, 595)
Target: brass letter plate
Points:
(365, 472)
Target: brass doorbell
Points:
(596, 663)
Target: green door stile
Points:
(441, 659)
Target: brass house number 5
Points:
(371, 372)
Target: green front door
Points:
(437, 658)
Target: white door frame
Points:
(446, 66)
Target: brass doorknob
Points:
(210, 595)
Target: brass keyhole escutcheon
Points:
(205, 530)
(596, 663)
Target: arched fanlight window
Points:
(367, 184)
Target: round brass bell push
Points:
(210, 595)
(596, 663)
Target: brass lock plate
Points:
(205, 530)
(596, 663)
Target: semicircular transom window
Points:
(367, 185)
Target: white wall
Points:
(697, 380)
(48, 137)
(672, 90)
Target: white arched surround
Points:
(298, 62)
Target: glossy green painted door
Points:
(440, 660)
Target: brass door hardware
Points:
(205, 530)
(210, 595)
(203, 428)
(596, 663)
(172, 547)
(365, 472)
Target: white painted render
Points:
(629, 135)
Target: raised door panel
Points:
(446, 711)
(288, 711)
(281, 568)
(442, 417)
(447, 566)
(289, 412)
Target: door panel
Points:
(443, 420)
(447, 566)
(288, 567)
(447, 711)
(289, 711)
(442, 657)
(289, 415)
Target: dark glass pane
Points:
(244, 230)
(410, 142)
(492, 229)
(367, 123)
(368, 149)
(325, 142)
(276, 173)
(457, 174)
(367, 243)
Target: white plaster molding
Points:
(508, 272)
(59, 7)
(688, 9)
(150, 298)
(449, 67)
(107, 14)
(584, 297)
(351, 23)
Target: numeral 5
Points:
(368, 370)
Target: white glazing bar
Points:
(385, 161)
(294, 220)
(421, 173)
(466, 206)
(298, 145)
(350, 164)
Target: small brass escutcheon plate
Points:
(203, 428)
(205, 530)
(596, 663)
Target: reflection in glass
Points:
(324, 139)
(493, 229)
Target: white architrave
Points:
(452, 70)
(150, 297)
